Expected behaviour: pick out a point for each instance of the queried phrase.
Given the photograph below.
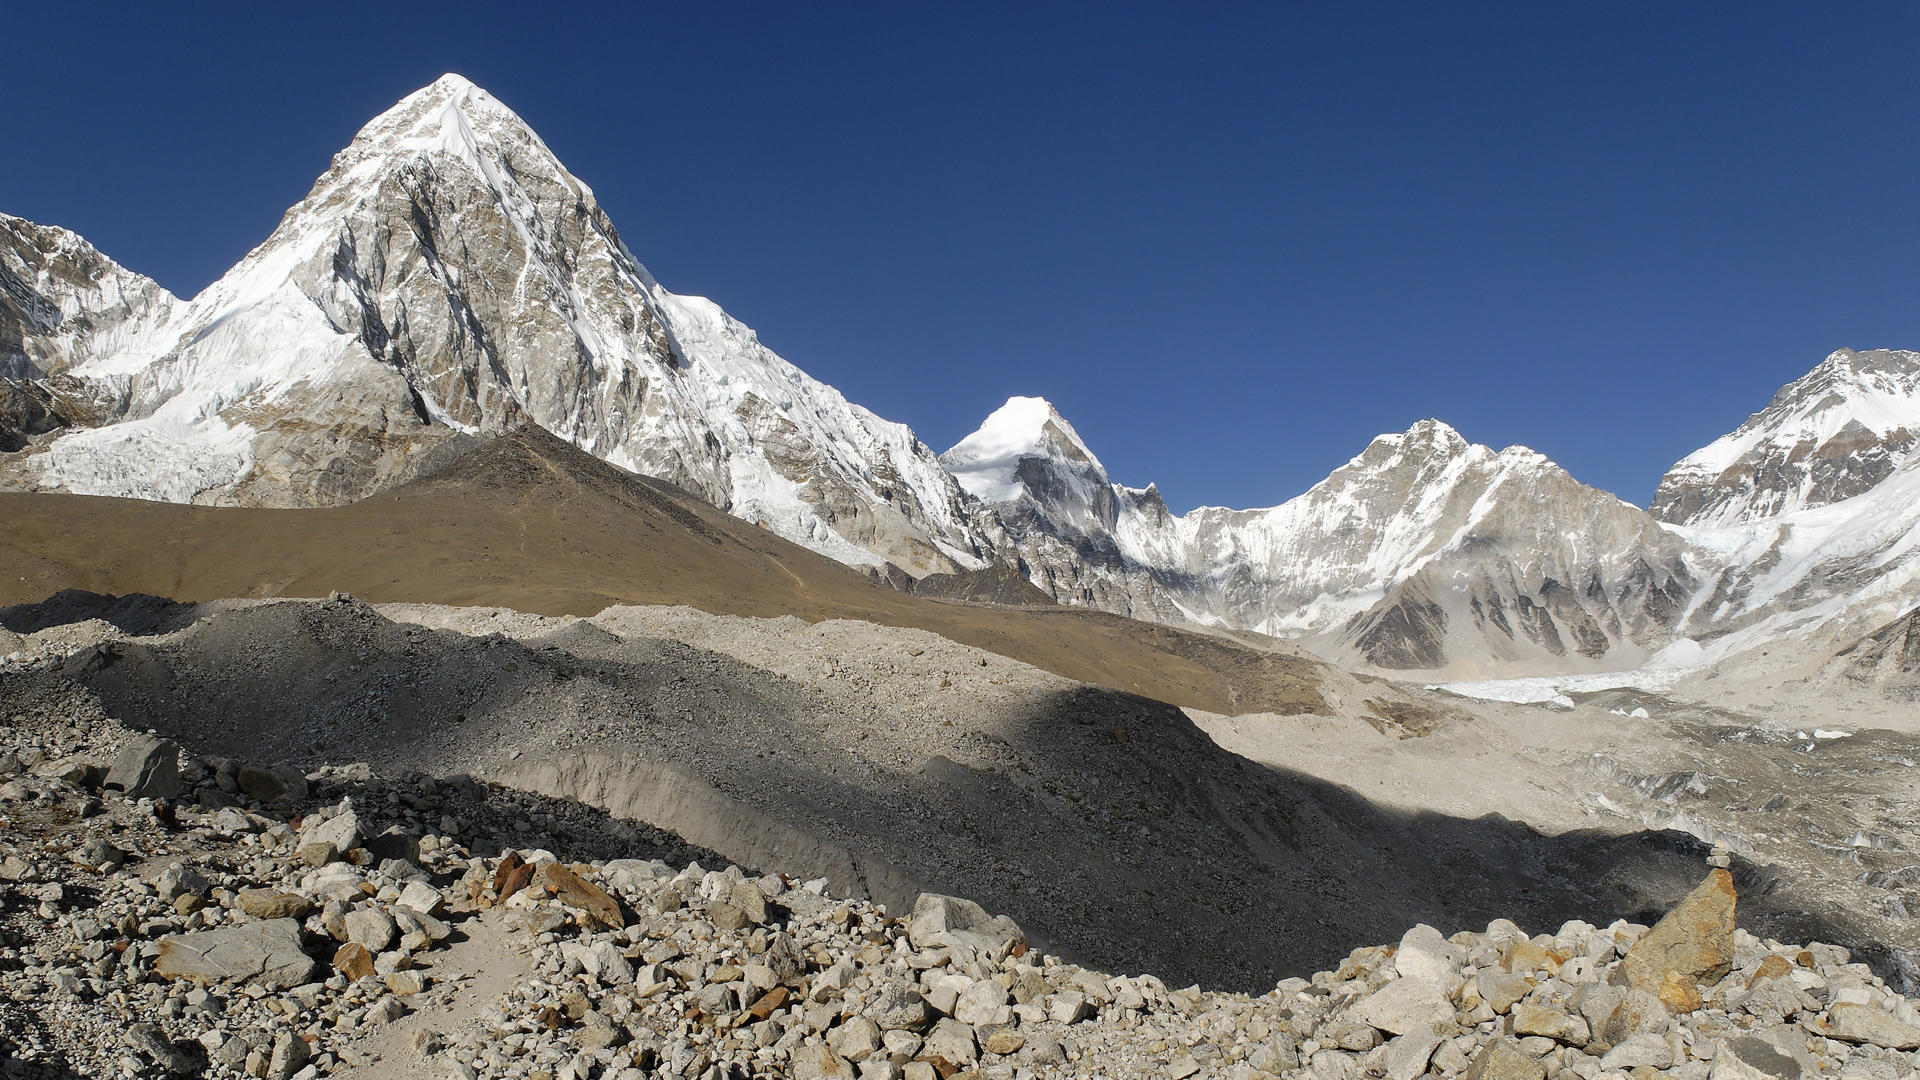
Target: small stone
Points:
(1405, 1057)
(768, 1003)
(725, 916)
(752, 903)
(406, 983)
(1500, 990)
(1644, 1050)
(856, 1040)
(950, 1041)
(1181, 1068)
(1549, 1023)
(1002, 1039)
(949, 920)
(985, 1002)
(371, 927)
(422, 897)
(1068, 1007)
(1502, 1059)
(1425, 954)
(273, 904)
(1748, 1058)
(290, 1055)
(149, 1040)
(901, 1009)
(597, 1032)
(814, 1061)
(341, 830)
(353, 960)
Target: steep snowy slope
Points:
(1827, 436)
(447, 274)
(1424, 551)
(62, 303)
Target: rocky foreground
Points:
(162, 916)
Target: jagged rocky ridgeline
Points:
(448, 278)
(220, 919)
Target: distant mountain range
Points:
(448, 279)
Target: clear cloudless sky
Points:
(1230, 243)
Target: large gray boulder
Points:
(146, 769)
(265, 954)
(948, 920)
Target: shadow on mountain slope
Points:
(1109, 825)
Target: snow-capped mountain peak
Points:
(1827, 436)
(988, 462)
(447, 274)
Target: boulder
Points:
(951, 921)
(265, 954)
(341, 831)
(146, 769)
(1694, 941)
(1404, 1007)
(1856, 1023)
(1425, 954)
(261, 784)
(952, 1042)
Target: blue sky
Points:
(1231, 245)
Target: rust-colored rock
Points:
(1679, 993)
(353, 960)
(1773, 967)
(509, 862)
(516, 879)
(768, 1003)
(577, 892)
(1695, 940)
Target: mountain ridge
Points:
(447, 276)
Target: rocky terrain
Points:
(171, 916)
(888, 761)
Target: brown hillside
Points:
(529, 522)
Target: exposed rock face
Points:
(1888, 658)
(1829, 435)
(992, 585)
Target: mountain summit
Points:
(448, 275)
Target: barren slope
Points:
(529, 522)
